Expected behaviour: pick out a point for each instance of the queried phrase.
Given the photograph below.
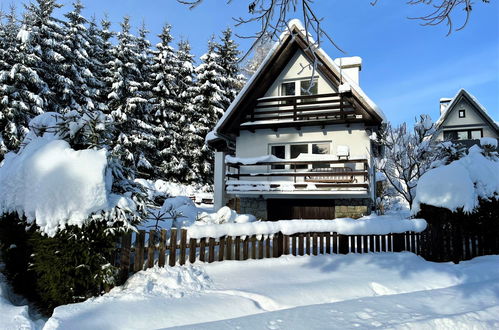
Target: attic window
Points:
(462, 114)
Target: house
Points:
(464, 119)
(295, 143)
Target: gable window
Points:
(462, 114)
(470, 134)
(305, 88)
(288, 88)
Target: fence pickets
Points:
(137, 251)
(141, 250)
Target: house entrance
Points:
(288, 209)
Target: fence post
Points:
(183, 245)
(139, 251)
(286, 244)
(398, 242)
(151, 246)
(162, 249)
(343, 242)
(126, 241)
(173, 247)
(192, 250)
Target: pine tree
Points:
(185, 95)
(103, 49)
(23, 93)
(167, 109)
(128, 101)
(80, 67)
(47, 34)
(228, 58)
(208, 105)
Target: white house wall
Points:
(256, 144)
(299, 68)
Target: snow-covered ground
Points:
(385, 290)
(14, 312)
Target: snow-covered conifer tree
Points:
(47, 35)
(208, 105)
(129, 100)
(228, 58)
(185, 95)
(23, 93)
(81, 68)
(167, 108)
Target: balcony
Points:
(297, 176)
(305, 110)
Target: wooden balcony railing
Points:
(320, 174)
(326, 108)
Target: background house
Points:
(300, 133)
(464, 119)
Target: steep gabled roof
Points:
(482, 112)
(281, 53)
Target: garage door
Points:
(286, 209)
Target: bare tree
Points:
(272, 16)
(442, 11)
(407, 155)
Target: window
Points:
(462, 113)
(288, 89)
(471, 134)
(462, 135)
(295, 151)
(476, 134)
(321, 149)
(305, 85)
(450, 135)
(279, 152)
(292, 151)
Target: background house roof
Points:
(462, 93)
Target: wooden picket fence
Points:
(141, 250)
(137, 251)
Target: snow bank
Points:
(180, 212)
(375, 290)
(54, 185)
(166, 281)
(375, 225)
(12, 316)
(171, 189)
(459, 184)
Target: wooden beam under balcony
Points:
(235, 175)
(302, 162)
(299, 124)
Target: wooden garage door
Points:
(286, 209)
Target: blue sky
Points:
(406, 69)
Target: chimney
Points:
(350, 66)
(444, 102)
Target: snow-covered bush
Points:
(70, 196)
(463, 196)
(461, 184)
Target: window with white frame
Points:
(293, 150)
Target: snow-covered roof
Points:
(453, 102)
(294, 26)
